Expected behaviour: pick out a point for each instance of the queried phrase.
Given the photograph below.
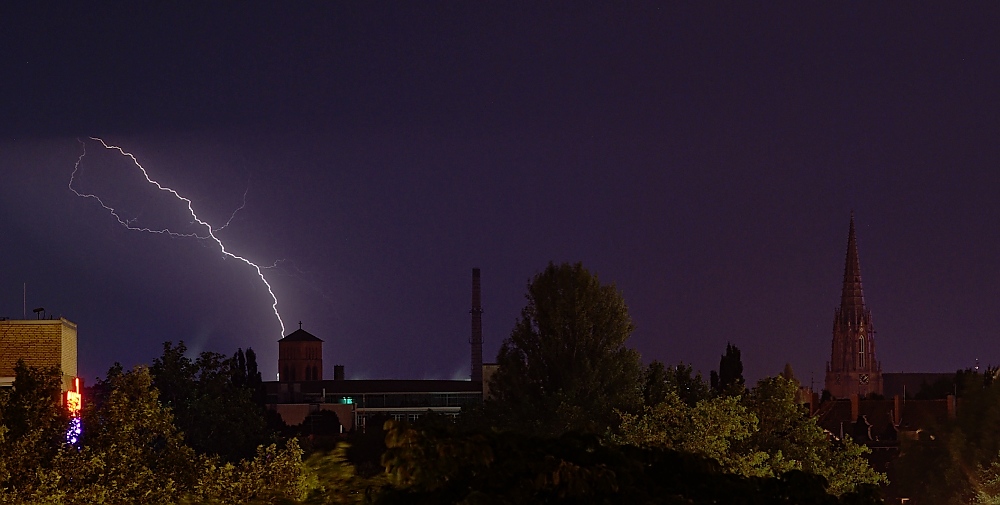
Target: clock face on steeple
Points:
(863, 378)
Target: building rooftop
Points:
(837, 416)
(301, 335)
(403, 386)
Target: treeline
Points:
(956, 461)
(573, 417)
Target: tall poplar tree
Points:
(729, 379)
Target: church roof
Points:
(301, 335)
(914, 414)
(852, 300)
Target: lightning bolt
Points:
(207, 234)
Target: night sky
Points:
(705, 159)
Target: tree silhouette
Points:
(565, 366)
(729, 379)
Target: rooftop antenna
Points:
(24, 299)
(39, 312)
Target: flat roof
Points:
(366, 386)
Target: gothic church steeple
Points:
(852, 368)
(852, 300)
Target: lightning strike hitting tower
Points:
(208, 233)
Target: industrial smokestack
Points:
(477, 329)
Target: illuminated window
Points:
(861, 351)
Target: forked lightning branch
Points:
(206, 232)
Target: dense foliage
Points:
(959, 460)
(565, 367)
(131, 452)
(217, 402)
(729, 379)
(435, 466)
(763, 434)
(659, 381)
(32, 426)
(575, 419)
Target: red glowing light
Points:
(74, 401)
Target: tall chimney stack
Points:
(477, 329)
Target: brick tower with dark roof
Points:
(852, 368)
(300, 357)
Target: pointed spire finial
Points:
(852, 299)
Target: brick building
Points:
(40, 343)
(301, 388)
(300, 357)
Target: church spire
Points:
(852, 300)
(853, 368)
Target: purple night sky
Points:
(704, 158)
